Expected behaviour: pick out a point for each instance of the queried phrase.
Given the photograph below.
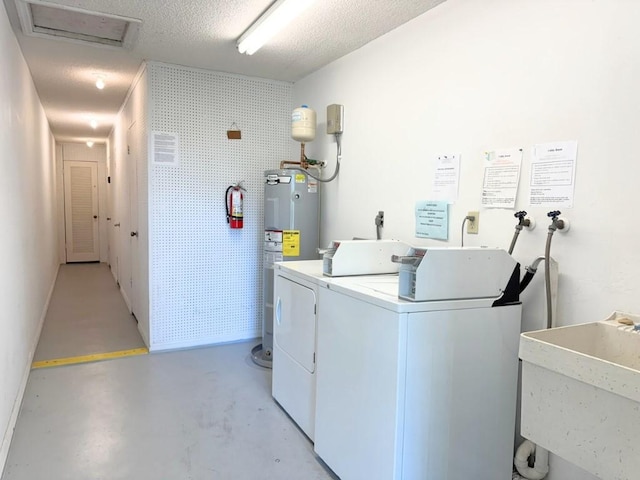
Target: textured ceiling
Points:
(195, 33)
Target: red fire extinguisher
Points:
(233, 204)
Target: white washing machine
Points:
(294, 339)
(414, 390)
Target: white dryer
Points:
(296, 310)
(294, 339)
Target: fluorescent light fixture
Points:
(94, 124)
(89, 144)
(100, 83)
(278, 16)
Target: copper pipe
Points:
(288, 162)
(303, 158)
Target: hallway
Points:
(192, 414)
(87, 316)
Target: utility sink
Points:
(581, 394)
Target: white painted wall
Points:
(28, 244)
(80, 152)
(62, 250)
(472, 76)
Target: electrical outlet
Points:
(472, 225)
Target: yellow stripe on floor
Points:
(96, 357)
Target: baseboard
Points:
(8, 435)
(126, 299)
(205, 342)
(143, 334)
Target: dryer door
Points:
(295, 321)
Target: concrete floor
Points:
(86, 315)
(186, 415)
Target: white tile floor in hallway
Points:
(186, 415)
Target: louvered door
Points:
(81, 211)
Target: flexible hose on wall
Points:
(336, 171)
(514, 240)
(547, 278)
(528, 448)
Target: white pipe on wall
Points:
(541, 465)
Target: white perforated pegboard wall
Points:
(206, 279)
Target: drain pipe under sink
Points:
(541, 466)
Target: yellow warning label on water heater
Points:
(291, 243)
(301, 178)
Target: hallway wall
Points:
(29, 242)
(468, 77)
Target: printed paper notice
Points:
(291, 243)
(553, 174)
(447, 178)
(165, 149)
(432, 219)
(501, 177)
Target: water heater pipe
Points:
(303, 159)
(338, 158)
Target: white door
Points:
(112, 251)
(132, 160)
(81, 211)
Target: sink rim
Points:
(602, 373)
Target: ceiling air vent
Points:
(49, 20)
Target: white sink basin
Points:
(581, 395)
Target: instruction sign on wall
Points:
(553, 174)
(501, 177)
(432, 219)
(291, 243)
(165, 149)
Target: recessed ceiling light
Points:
(89, 144)
(100, 83)
(49, 20)
(94, 123)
